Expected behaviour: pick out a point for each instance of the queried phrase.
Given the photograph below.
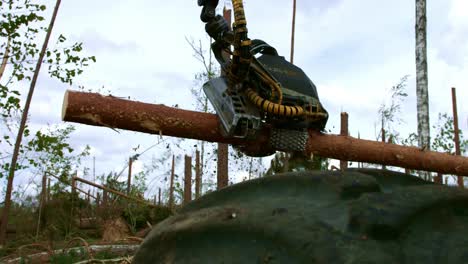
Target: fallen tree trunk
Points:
(115, 192)
(108, 111)
(44, 257)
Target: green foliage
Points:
(444, 139)
(22, 28)
(411, 140)
(289, 162)
(59, 215)
(45, 151)
(138, 215)
(389, 113)
(210, 71)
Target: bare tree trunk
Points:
(129, 180)
(360, 165)
(19, 137)
(48, 190)
(5, 58)
(456, 134)
(81, 107)
(171, 184)
(107, 189)
(383, 141)
(105, 198)
(41, 204)
(222, 172)
(197, 175)
(188, 180)
(344, 132)
(98, 199)
(159, 196)
(293, 29)
(422, 94)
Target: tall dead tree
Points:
(19, 137)
(344, 131)
(129, 180)
(383, 141)
(48, 190)
(198, 179)
(456, 132)
(422, 94)
(6, 55)
(171, 184)
(293, 31)
(222, 171)
(188, 180)
(159, 196)
(42, 201)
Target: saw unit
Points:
(259, 87)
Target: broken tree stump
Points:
(109, 111)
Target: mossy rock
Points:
(356, 216)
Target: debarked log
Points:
(113, 112)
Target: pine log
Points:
(109, 111)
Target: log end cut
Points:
(65, 104)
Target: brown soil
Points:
(115, 230)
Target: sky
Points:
(354, 52)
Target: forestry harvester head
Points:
(259, 89)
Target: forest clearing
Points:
(240, 162)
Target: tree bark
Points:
(108, 111)
(198, 180)
(383, 140)
(129, 180)
(107, 189)
(188, 180)
(42, 202)
(422, 94)
(456, 132)
(159, 196)
(222, 168)
(19, 137)
(5, 58)
(293, 29)
(344, 131)
(171, 184)
(48, 190)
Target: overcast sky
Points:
(354, 51)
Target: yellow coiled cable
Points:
(242, 61)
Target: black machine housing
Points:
(241, 118)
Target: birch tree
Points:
(422, 94)
(21, 25)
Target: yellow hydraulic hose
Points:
(273, 108)
(242, 57)
(242, 61)
(275, 87)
